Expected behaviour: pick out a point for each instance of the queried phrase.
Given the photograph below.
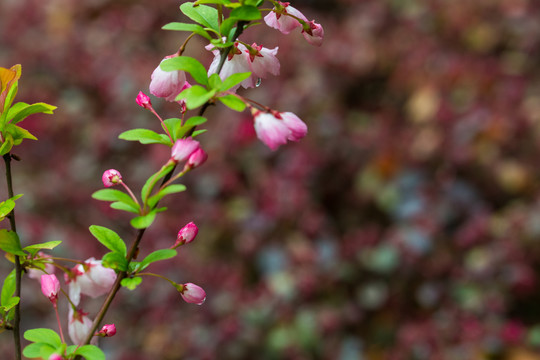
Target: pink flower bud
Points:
(193, 294)
(281, 20)
(55, 357)
(313, 33)
(186, 234)
(183, 148)
(111, 177)
(143, 100)
(197, 158)
(107, 330)
(298, 127)
(50, 286)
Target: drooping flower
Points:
(193, 294)
(143, 100)
(111, 177)
(298, 127)
(186, 234)
(90, 278)
(263, 61)
(281, 20)
(107, 330)
(274, 129)
(79, 325)
(167, 84)
(313, 33)
(183, 148)
(50, 286)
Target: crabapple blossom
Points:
(197, 158)
(55, 357)
(90, 278)
(49, 268)
(167, 84)
(274, 129)
(313, 33)
(107, 330)
(78, 326)
(280, 18)
(183, 148)
(193, 294)
(111, 177)
(143, 100)
(50, 286)
(186, 234)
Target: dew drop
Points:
(259, 81)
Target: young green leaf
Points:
(33, 249)
(145, 136)
(125, 207)
(6, 207)
(10, 303)
(233, 80)
(113, 195)
(34, 350)
(115, 261)
(195, 96)
(144, 221)
(43, 335)
(131, 283)
(198, 132)
(7, 145)
(152, 180)
(26, 111)
(90, 352)
(214, 81)
(221, 2)
(8, 289)
(109, 239)
(246, 12)
(171, 189)
(158, 255)
(197, 29)
(186, 63)
(233, 102)
(9, 242)
(173, 125)
(202, 14)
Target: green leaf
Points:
(145, 136)
(144, 221)
(152, 180)
(125, 207)
(186, 63)
(195, 121)
(202, 14)
(90, 352)
(233, 102)
(43, 335)
(29, 110)
(171, 189)
(8, 289)
(233, 80)
(173, 125)
(115, 261)
(246, 12)
(195, 96)
(6, 207)
(197, 29)
(7, 145)
(214, 81)
(131, 283)
(109, 239)
(10, 303)
(221, 2)
(116, 196)
(33, 350)
(226, 28)
(11, 96)
(198, 132)
(157, 255)
(9, 242)
(33, 249)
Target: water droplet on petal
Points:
(259, 81)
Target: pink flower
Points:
(262, 61)
(313, 33)
(50, 286)
(183, 148)
(143, 100)
(193, 294)
(90, 278)
(186, 234)
(36, 273)
(79, 325)
(197, 158)
(281, 20)
(111, 177)
(167, 84)
(274, 129)
(107, 330)
(55, 357)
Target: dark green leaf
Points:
(202, 14)
(46, 336)
(131, 283)
(90, 352)
(9, 242)
(115, 261)
(197, 29)
(186, 63)
(32, 109)
(195, 96)
(109, 239)
(233, 102)
(145, 136)
(157, 255)
(246, 12)
(171, 189)
(8, 289)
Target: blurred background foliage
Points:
(405, 226)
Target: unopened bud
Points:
(111, 177)
(143, 100)
(107, 330)
(186, 234)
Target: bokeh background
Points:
(405, 226)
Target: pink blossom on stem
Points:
(274, 129)
(186, 234)
(167, 84)
(111, 177)
(107, 330)
(279, 18)
(50, 286)
(313, 33)
(298, 127)
(183, 148)
(79, 325)
(90, 278)
(143, 100)
(36, 273)
(193, 294)
(263, 60)
(197, 158)
(56, 357)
